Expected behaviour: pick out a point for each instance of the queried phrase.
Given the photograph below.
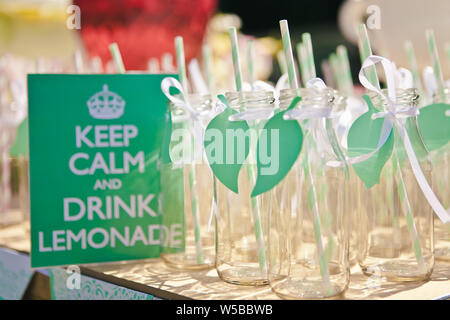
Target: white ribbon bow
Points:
(392, 117)
(192, 114)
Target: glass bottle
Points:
(441, 186)
(187, 242)
(241, 220)
(309, 220)
(396, 229)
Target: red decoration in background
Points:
(143, 28)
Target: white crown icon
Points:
(106, 104)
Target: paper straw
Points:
(431, 41)
(318, 234)
(197, 78)
(236, 59)
(250, 172)
(195, 215)
(321, 253)
(344, 70)
(303, 65)
(117, 57)
(167, 63)
(250, 64)
(78, 61)
(328, 74)
(179, 53)
(208, 68)
(323, 262)
(153, 65)
(288, 54)
(306, 39)
(334, 63)
(365, 51)
(96, 64)
(282, 62)
(404, 201)
(447, 51)
(413, 65)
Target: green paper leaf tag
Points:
(20, 146)
(363, 138)
(227, 144)
(434, 125)
(283, 140)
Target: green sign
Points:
(95, 141)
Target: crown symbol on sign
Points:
(106, 104)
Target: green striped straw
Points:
(447, 51)
(282, 62)
(78, 61)
(301, 56)
(208, 69)
(250, 59)
(306, 39)
(179, 52)
(323, 261)
(344, 70)
(413, 65)
(181, 64)
(195, 215)
(288, 54)
(431, 41)
(251, 172)
(365, 50)
(236, 59)
(404, 201)
(117, 57)
(328, 74)
(334, 63)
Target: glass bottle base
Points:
(307, 290)
(397, 271)
(245, 275)
(188, 261)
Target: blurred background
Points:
(73, 36)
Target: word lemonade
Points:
(104, 105)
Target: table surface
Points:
(205, 284)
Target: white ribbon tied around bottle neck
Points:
(197, 128)
(392, 117)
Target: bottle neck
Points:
(248, 100)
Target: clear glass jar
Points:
(187, 191)
(441, 187)
(241, 220)
(396, 229)
(309, 220)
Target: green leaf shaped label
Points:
(227, 144)
(363, 138)
(279, 145)
(434, 125)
